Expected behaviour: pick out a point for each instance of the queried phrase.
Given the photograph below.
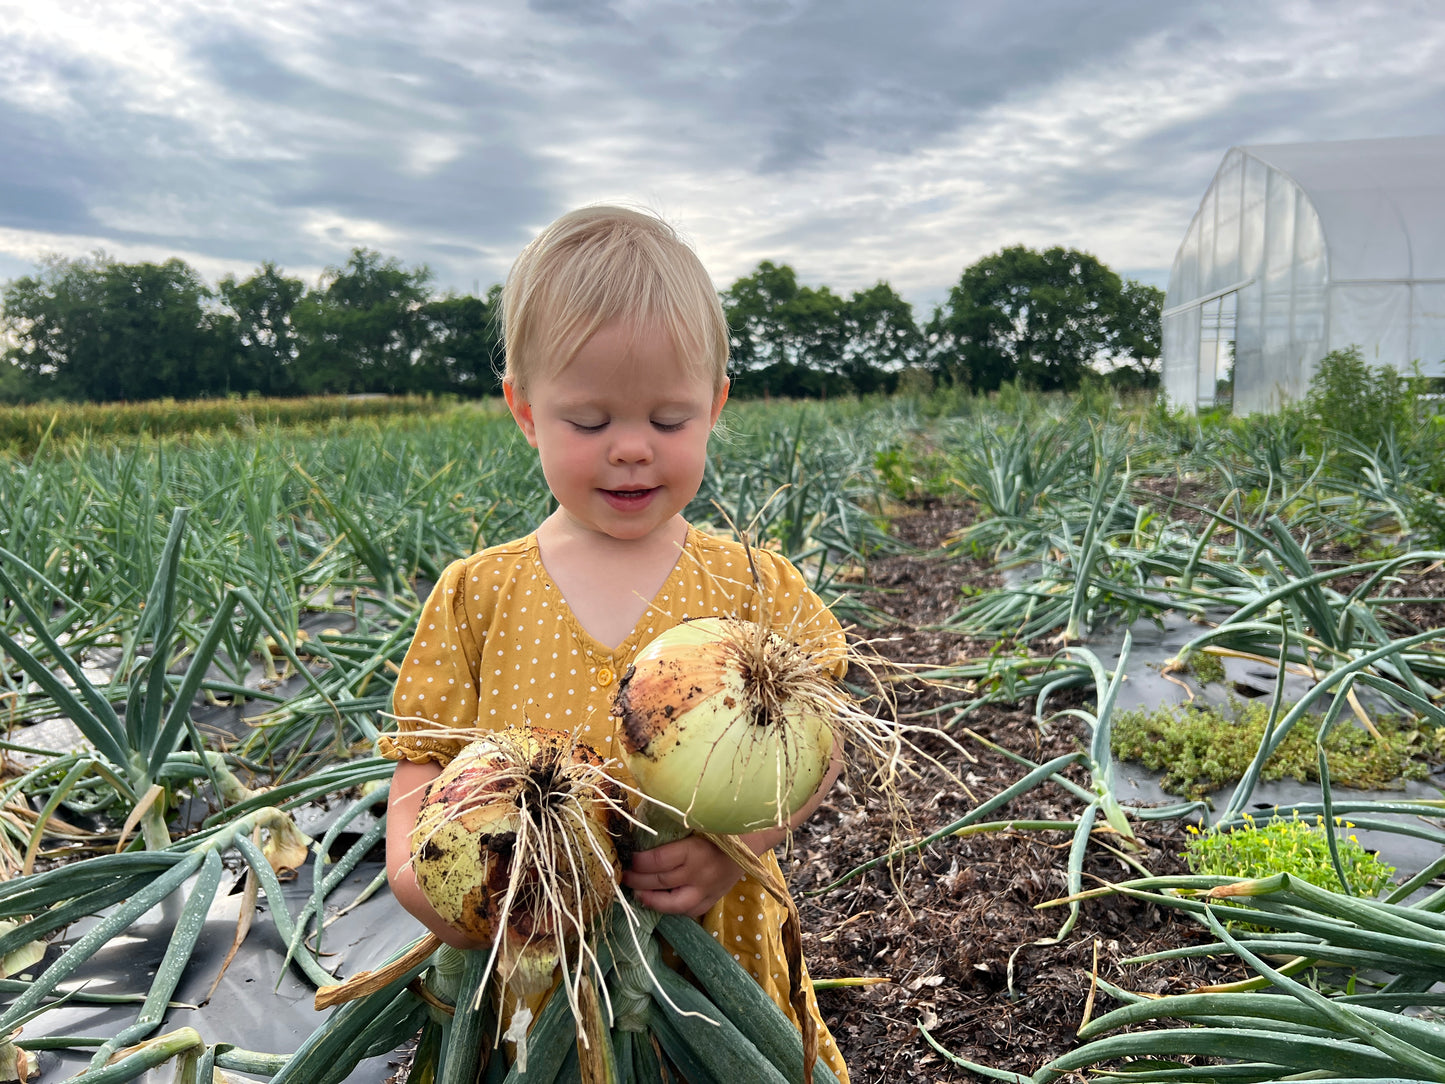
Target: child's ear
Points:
(521, 411)
(717, 403)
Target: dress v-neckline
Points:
(590, 643)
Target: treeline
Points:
(1044, 319)
(96, 329)
(100, 330)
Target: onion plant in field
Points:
(799, 478)
(143, 579)
(1346, 986)
(1293, 545)
(132, 763)
(1247, 573)
(276, 572)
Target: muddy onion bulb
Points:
(530, 804)
(728, 722)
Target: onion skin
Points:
(462, 847)
(716, 721)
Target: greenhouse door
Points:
(1216, 350)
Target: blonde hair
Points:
(599, 265)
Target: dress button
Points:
(604, 676)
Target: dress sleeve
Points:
(436, 688)
(796, 612)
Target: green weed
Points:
(1205, 666)
(1200, 748)
(1289, 846)
(1362, 401)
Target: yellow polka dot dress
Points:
(497, 645)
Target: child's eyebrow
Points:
(578, 402)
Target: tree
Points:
(881, 338)
(97, 329)
(1137, 339)
(362, 329)
(462, 350)
(1040, 317)
(756, 306)
(49, 316)
(259, 330)
(788, 339)
(778, 333)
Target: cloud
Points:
(854, 140)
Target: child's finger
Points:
(668, 856)
(660, 881)
(687, 900)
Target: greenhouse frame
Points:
(1300, 249)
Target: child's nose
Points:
(631, 445)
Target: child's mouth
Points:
(629, 497)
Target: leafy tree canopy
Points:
(95, 328)
(99, 329)
(362, 329)
(257, 325)
(788, 339)
(1044, 318)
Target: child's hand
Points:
(682, 878)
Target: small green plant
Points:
(1205, 666)
(1290, 846)
(899, 472)
(1377, 548)
(1428, 513)
(1202, 747)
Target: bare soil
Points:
(957, 929)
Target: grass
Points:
(1200, 748)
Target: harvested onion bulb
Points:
(515, 819)
(516, 844)
(728, 723)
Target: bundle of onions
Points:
(727, 728)
(516, 844)
(734, 725)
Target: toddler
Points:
(616, 358)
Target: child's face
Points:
(622, 431)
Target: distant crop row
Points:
(23, 429)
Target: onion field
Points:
(200, 633)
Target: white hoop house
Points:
(1298, 249)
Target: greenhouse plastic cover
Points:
(1313, 247)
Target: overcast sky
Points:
(854, 139)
